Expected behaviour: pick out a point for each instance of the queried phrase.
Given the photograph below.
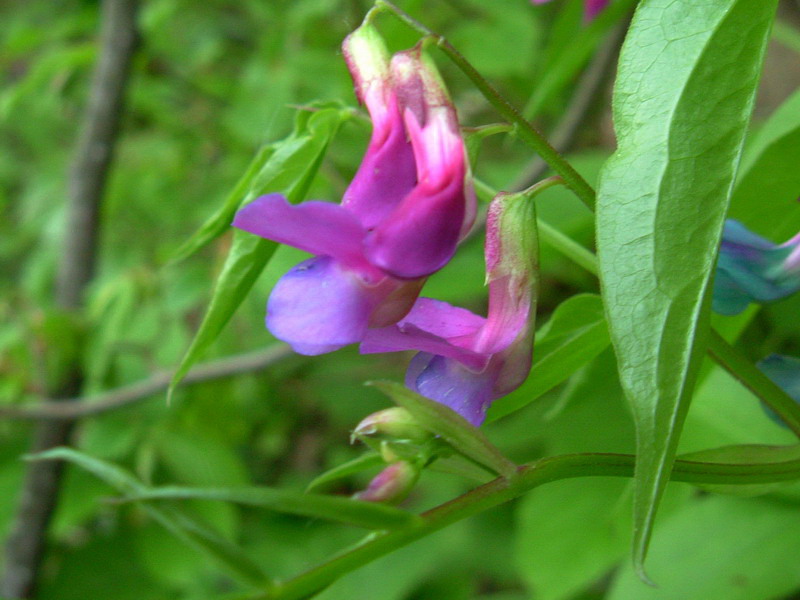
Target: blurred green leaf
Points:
(571, 533)
(183, 527)
(571, 45)
(682, 106)
(769, 176)
(319, 506)
(575, 334)
(370, 460)
(289, 171)
(501, 42)
(456, 431)
(720, 548)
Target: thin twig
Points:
(92, 406)
(564, 135)
(86, 183)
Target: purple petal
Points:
(397, 339)
(317, 227)
(443, 319)
(467, 392)
(318, 307)
(431, 326)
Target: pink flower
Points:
(400, 220)
(467, 361)
(591, 8)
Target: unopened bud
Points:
(393, 424)
(392, 485)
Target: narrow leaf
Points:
(333, 508)
(290, 169)
(176, 522)
(218, 223)
(771, 457)
(576, 334)
(370, 460)
(682, 102)
(454, 429)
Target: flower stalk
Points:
(522, 128)
(501, 490)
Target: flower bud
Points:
(392, 485)
(393, 423)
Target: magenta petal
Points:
(317, 227)
(318, 307)
(421, 235)
(387, 173)
(592, 8)
(450, 383)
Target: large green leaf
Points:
(290, 170)
(575, 335)
(175, 521)
(682, 102)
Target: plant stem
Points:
(501, 490)
(91, 406)
(754, 380)
(524, 130)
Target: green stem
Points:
(567, 246)
(501, 490)
(524, 130)
(754, 380)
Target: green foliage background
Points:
(212, 83)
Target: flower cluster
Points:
(409, 205)
(467, 361)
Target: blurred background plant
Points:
(210, 84)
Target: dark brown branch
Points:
(86, 182)
(88, 173)
(92, 406)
